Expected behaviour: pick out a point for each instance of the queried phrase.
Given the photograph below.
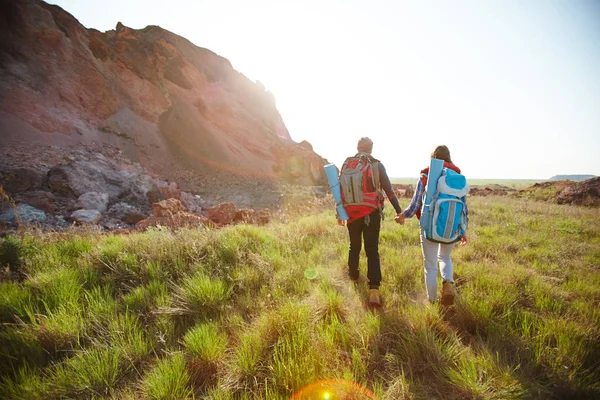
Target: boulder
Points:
(125, 212)
(39, 199)
(163, 191)
(93, 201)
(86, 216)
(167, 208)
(22, 179)
(23, 213)
(223, 214)
(93, 175)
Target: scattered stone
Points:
(227, 213)
(222, 214)
(163, 191)
(167, 208)
(39, 199)
(93, 201)
(86, 216)
(406, 191)
(23, 213)
(193, 203)
(125, 212)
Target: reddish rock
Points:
(586, 193)
(227, 213)
(174, 221)
(160, 193)
(39, 199)
(223, 214)
(249, 216)
(133, 218)
(167, 208)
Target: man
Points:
(366, 212)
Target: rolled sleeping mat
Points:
(334, 184)
(435, 171)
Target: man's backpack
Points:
(447, 219)
(361, 189)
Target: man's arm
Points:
(386, 185)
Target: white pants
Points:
(432, 252)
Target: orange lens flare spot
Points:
(334, 389)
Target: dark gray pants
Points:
(358, 231)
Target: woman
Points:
(432, 252)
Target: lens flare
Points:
(334, 389)
(310, 273)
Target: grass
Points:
(229, 314)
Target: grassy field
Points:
(229, 314)
(511, 183)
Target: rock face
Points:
(179, 110)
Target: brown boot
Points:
(374, 298)
(447, 293)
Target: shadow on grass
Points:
(514, 353)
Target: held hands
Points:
(400, 218)
(464, 240)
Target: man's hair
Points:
(365, 145)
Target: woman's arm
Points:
(417, 201)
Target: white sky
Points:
(511, 87)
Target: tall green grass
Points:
(230, 314)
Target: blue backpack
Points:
(447, 220)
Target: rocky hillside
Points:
(586, 193)
(179, 111)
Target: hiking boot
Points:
(447, 293)
(374, 298)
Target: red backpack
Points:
(361, 189)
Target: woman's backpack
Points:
(447, 219)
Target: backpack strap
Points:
(377, 184)
(376, 181)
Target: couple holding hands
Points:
(366, 228)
